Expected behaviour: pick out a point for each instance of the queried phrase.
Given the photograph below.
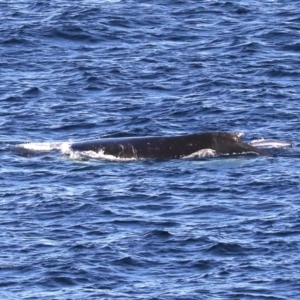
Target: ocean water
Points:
(92, 228)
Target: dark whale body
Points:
(168, 147)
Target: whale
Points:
(170, 147)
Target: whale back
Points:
(166, 147)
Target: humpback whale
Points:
(169, 147)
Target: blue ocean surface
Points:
(90, 228)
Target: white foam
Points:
(202, 153)
(44, 147)
(65, 148)
(80, 155)
(270, 143)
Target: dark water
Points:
(177, 229)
